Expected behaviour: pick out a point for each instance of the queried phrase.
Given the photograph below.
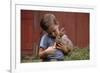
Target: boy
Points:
(54, 44)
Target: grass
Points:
(76, 54)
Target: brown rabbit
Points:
(62, 38)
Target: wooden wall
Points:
(75, 24)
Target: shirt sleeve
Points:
(43, 42)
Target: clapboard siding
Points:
(76, 26)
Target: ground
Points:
(76, 54)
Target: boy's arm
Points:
(44, 53)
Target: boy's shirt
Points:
(47, 41)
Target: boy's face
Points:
(53, 30)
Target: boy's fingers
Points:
(60, 44)
(58, 47)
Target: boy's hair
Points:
(47, 20)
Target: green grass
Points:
(76, 54)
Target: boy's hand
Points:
(50, 50)
(62, 47)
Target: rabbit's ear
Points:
(62, 29)
(62, 32)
